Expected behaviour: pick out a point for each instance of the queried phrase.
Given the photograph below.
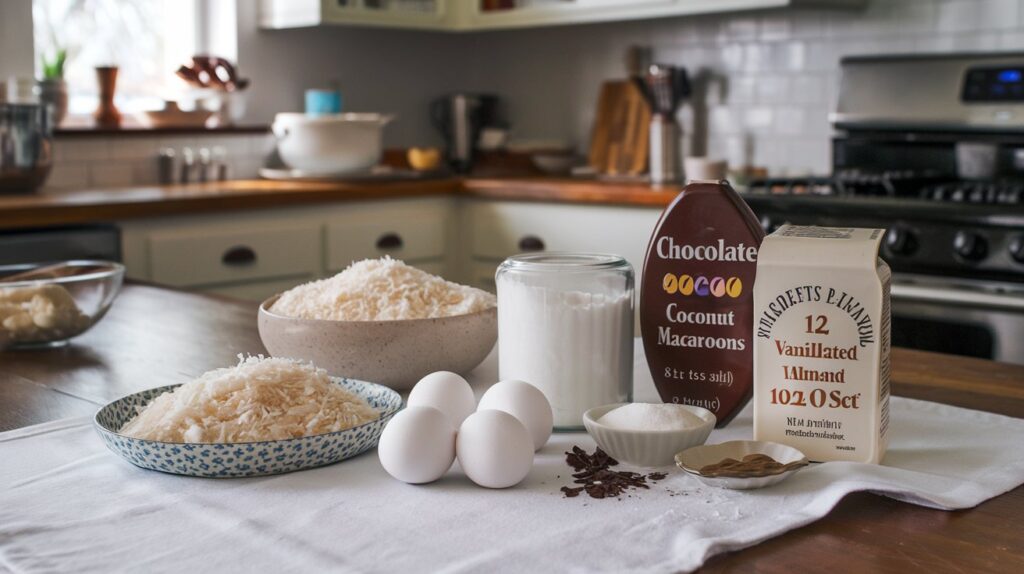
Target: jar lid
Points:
(564, 262)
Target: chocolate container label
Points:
(821, 343)
(696, 304)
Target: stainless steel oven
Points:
(964, 319)
(931, 148)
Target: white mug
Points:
(704, 168)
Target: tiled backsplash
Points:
(781, 69)
(771, 76)
(91, 162)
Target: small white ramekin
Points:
(647, 448)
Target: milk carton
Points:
(821, 343)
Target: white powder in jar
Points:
(651, 417)
(574, 345)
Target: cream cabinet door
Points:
(416, 232)
(193, 255)
(497, 229)
(254, 254)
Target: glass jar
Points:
(565, 325)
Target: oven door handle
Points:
(959, 297)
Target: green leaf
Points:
(54, 70)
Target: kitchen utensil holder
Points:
(665, 134)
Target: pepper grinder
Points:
(664, 87)
(107, 115)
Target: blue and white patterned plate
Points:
(233, 460)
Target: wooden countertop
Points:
(92, 206)
(162, 336)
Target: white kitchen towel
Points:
(68, 504)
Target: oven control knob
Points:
(900, 241)
(970, 246)
(1017, 248)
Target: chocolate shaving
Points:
(571, 492)
(598, 480)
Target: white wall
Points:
(380, 70)
(15, 41)
(773, 74)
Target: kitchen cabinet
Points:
(469, 15)
(194, 254)
(413, 232)
(422, 14)
(496, 229)
(252, 255)
(493, 230)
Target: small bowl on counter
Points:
(554, 163)
(395, 353)
(695, 461)
(330, 144)
(47, 304)
(171, 116)
(648, 448)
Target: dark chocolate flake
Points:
(593, 472)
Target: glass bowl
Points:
(65, 301)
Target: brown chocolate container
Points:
(696, 299)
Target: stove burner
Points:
(1004, 193)
(907, 184)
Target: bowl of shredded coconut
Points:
(384, 321)
(262, 416)
(46, 304)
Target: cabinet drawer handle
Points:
(239, 255)
(531, 243)
(390, 241)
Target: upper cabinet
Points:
(465, 15)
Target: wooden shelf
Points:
(137, 131)
(90, 206)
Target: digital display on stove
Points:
(1009, 76)
(1004, 84)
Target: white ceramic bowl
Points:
(693, 459)
(646, 448)
(173, 117)
(330, 144)
(554, 163)
(393, 353)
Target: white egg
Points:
(417, 445)
(525, 402)
(494, 449)
(447, 392)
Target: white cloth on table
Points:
(68, 504)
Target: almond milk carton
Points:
(821, 343)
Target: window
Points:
(146, 39)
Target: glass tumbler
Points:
(565, 325)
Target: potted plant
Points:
(51, 89)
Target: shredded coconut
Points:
(260, 399)
(381, 290)
(39, 313)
